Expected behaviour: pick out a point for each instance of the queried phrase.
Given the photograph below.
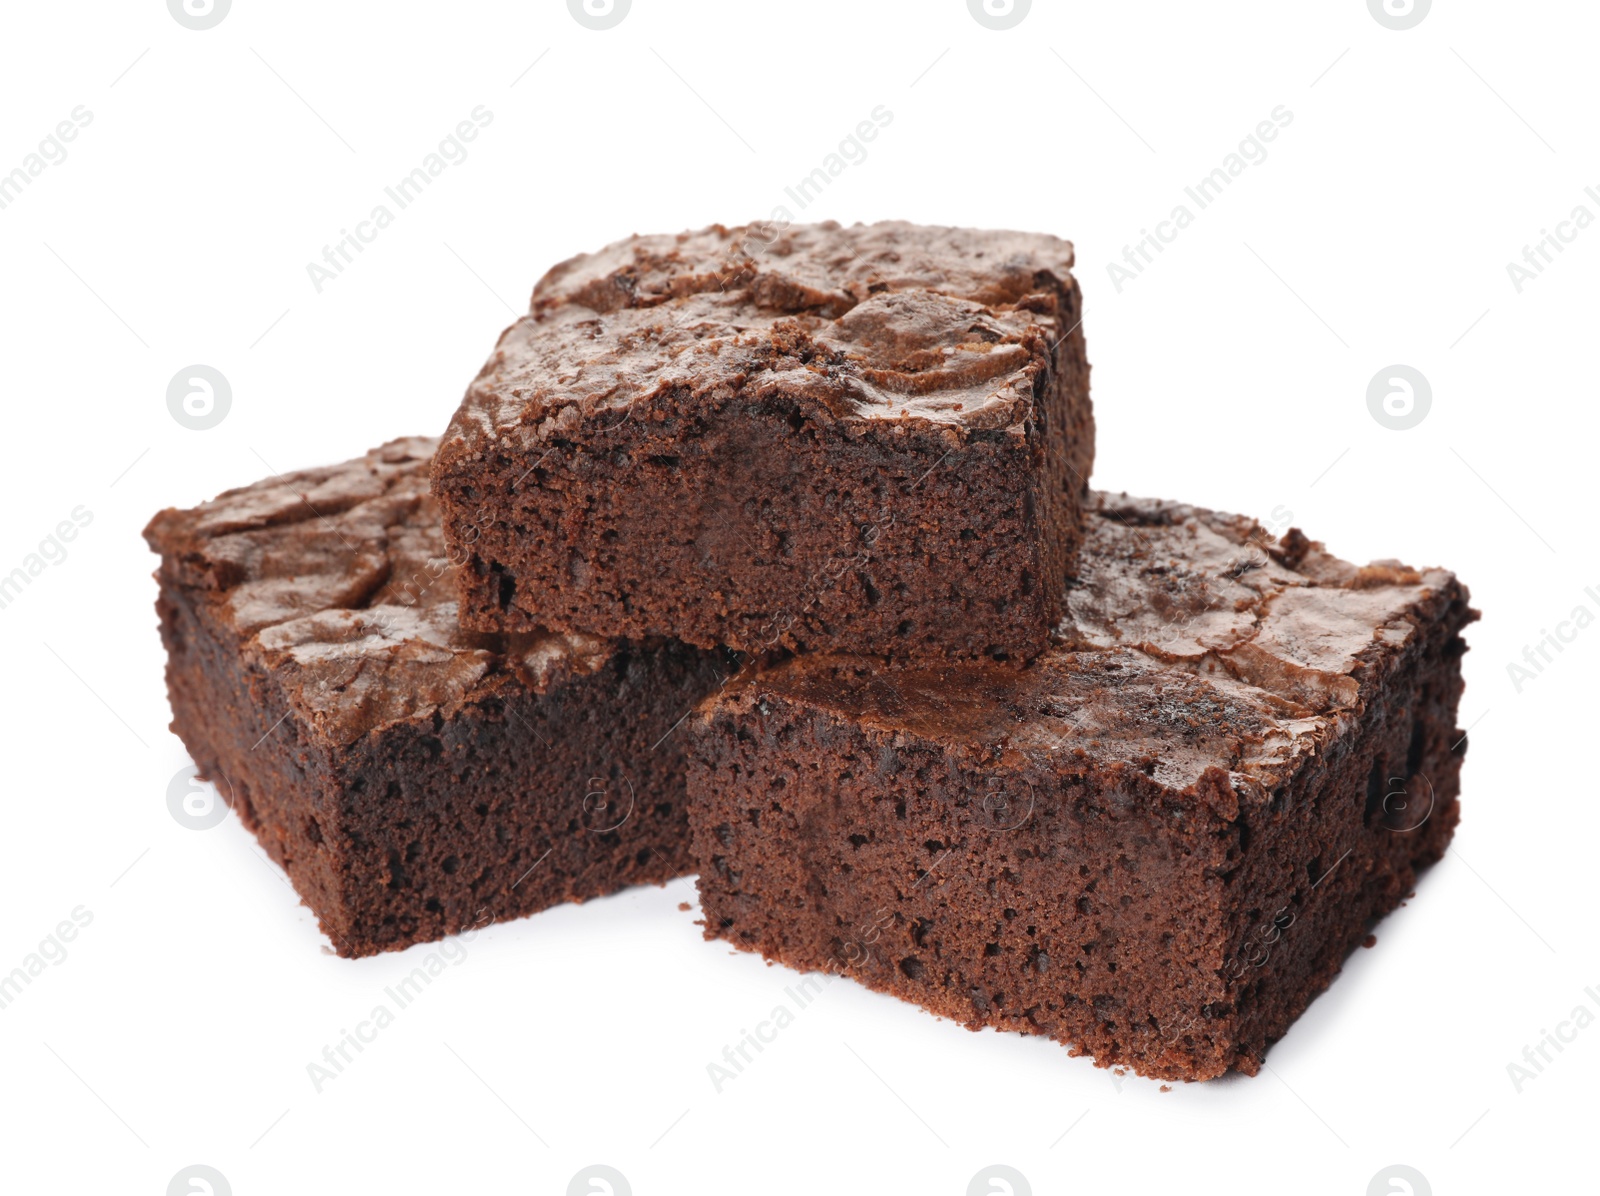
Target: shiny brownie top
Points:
(338, 582)
(942, 327)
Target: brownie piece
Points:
(871, 439)
(412, 779)
(1156, 843)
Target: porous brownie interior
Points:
(993, 891)
(517, 802)
(804, 446)
(1156, 844)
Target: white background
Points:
(1232, 372)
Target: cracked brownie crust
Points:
(413, 779)
(1155, 844)
(871, 439)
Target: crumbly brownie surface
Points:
(412, 778)
(870, 439)
(1156, 844)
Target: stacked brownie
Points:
(872, 439)
(770, 554)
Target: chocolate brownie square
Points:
(1156, 843)
(871, 439)
(413, 779)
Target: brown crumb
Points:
(1370, 941)
(684, 906)
(1292, 548)
(1166, 1087)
